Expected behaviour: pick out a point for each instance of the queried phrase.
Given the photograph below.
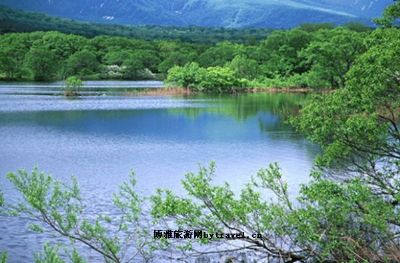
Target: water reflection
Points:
(246, 105)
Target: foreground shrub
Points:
(52, 206)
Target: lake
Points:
(104, 134)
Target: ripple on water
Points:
(100, 139)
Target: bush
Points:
(52, 206)
(212, 79)
(72, 86)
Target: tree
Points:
(349, 212)
(391, 16)
(41, 63)
(53, 206)
(116, 57)
(316, 26)
(72, 86)
(358, 124)
(332, 53)
(212, 79)
(357, 128)
(329, 221)
(82, 63)
(221, 80)
(278, 54)
(151, 60)
(13, 48)
(19, 43)
(357, 27)
(244, 67)
(219, 54)
(133, 65)
(8, 63)
(61, 44)
(175, 58)
(188, 76)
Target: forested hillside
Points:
(14, 20)
(210, 13)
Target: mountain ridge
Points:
(17, 21)
(210, 13)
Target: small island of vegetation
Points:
(72, 86)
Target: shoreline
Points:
(171, 91)
(179, 91)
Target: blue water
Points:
(100, 139)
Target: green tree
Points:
(82, 63)
(219, 54)
(188, 76)
(133, 66)
(313, 27)
(244, 67)
(360, 120)
(212, 79)
(279, 53)
(59, 208)
(329, 221)
(62, 45)
(151, 59)
(72, 86)
(221, 80)
(41, 63)
(349, 212)
(357, 27)
(332, 53)
(13, 48)
(357, 128)
(175, 58)
(8, 62)
(391, 16)
(116, 57)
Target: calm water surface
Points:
(100, 139)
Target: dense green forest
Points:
(308, 56)
(15, 21)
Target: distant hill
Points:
(210, 13)
(12, 20)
